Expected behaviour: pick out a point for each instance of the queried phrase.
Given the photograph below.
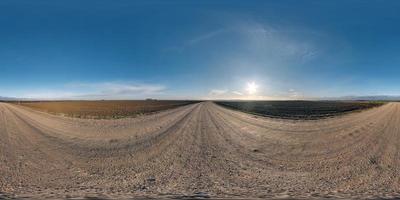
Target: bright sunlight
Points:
(251, 88)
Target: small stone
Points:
(151, 179)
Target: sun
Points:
(251, 87)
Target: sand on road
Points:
(199, 150)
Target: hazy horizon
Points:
(255, 50)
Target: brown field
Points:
(197, 151)
(103, 109)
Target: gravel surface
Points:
(199, 151)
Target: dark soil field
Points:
(299, 109)
(103, 109)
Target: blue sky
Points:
(199, 49)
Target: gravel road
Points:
(200, 150)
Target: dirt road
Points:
(199, 150)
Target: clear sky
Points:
(199, 49)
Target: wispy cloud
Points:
(205, 36)
(197, 39)
(99, 90)
(279, 43)
(237, 93)
(217, 92)
(118, 88)
(293, 94)
(47, 94)
(229, 94)
(261, 41)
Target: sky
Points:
(125, 49)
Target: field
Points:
(103, 109)
(299, 109)
(202, 150)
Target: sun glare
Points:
(251, 88)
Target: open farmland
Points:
(299, 109)
(104, 109)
